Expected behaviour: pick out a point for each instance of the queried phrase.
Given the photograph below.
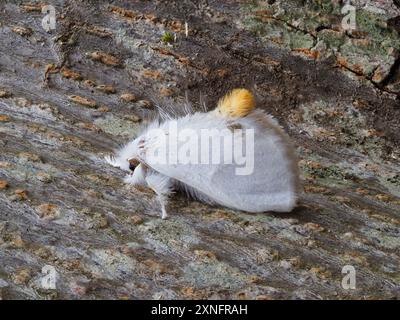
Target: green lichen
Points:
(375, 26)
(300, 25)
(382, 238)
(214, 274)
(347, 125)
(169, 233)
(332, 172)
(395, 180)
(333, 39)
(392, 184)
(117, 126)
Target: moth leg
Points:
(138, 177)
(162, 186)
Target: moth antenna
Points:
(237, 103)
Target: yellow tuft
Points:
(237, 103)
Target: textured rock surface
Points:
(69, 97)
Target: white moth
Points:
(173, 155)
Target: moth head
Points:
(127, 157)
(133, 163)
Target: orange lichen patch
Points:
(204, 254)
(145, 104)
(47, 210)
(360, 104)
(219, 215)
(16, 241)
(98, 31)
(22, 31)
(31, 7)
(314, 54)
(181, 59)
(372, 133)
(50, 69)
(358, 34)
(184, 60)
(132, 117)
(334, 113)
(151, 17)
(155, 266)
(314, 227)
(89, 83)
(255, 279)
(187, 291)
(379, 75)
(104, 58)
(361, 42)
(3, 184)
(176, 26)
(353, 67)
(343, 62)
(72, 264)
(192, 293)
(128, 97)
(70, 74)
(383, 197)
(152, 74)
(264, 15)
(264, 12)
(242, 296)
(4, 118)
(21, 194)
(5, 94)
(43, 177)
(27, 156)
(315, 189)
(22, 276)
(83, 101)
(362, 191)
(357, 69)
(296, 116)
(5, 164)
(136, 220)
(395, 202)
(355, 257)
(321, 272)
(221, 73)
(342, 199)
(125, 13)
(106, 88)
(104, 109)
(89, 126)
(166, 92)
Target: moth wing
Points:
(270, 186)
